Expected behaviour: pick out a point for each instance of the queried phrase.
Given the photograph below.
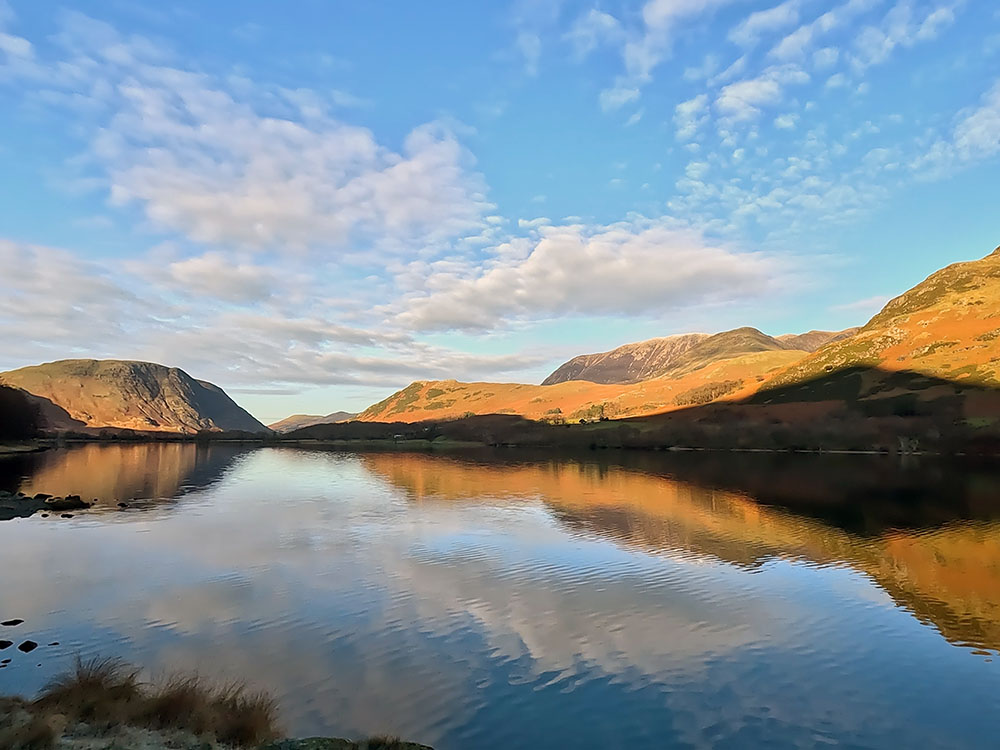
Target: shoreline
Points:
(445, 445)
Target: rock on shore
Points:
(19, 505)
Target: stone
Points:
(27, 647)
(70, 502)
(6, 644)
(11, 623)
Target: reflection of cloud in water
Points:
(472, 605)
(946, 574)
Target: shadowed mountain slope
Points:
(78, 394)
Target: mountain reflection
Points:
(948, 574)
(635, 600)
(116, 472)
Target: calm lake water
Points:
(513, 600)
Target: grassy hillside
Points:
(575, 400)
(77, 394)
(948, 326)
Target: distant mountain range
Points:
(935, 348)
(660, 357)
(298, 421)
(86, 394)
(942, 337)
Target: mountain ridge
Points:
(938, 340)
(668, 355)
(298, 421)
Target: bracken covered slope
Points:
(86, 393)
(948, 327)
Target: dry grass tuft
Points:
(97, 691)
(107, 692)
(230, 713)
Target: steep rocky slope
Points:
(86, 393)
(672, 355)
(628, 363)
(298, 421)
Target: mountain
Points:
(947, 327)
(722, 346)
(298, 421)
(628, 363)
(666, 357)
(813, 340)
(933, 350)
(76, 394)
(575, 400)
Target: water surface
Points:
(500, 600)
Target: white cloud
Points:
(58, 306)
(690, 117)
(867, 306)
(636, 268)
(977, 134)
(749, 31)
(645, 47)
(617, 97)
(529, 44)
(215, 275)
(826, 57)
(744, 100)
(974, 138)
(592, 30)
(796, 45)
(199, 157)
(901, 27)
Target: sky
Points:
(313, 204)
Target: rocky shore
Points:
(19, 505)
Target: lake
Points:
(507, 599)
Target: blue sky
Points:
(315, 203)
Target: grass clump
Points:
(96, 691)
(107, 692)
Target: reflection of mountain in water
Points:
(121, 472)
(941, 564)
